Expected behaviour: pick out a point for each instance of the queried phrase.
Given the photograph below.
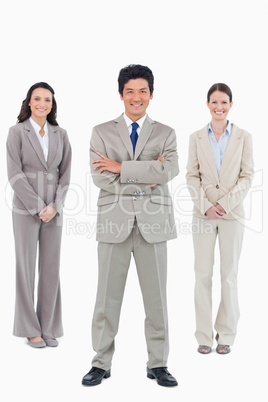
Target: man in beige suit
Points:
(219, 175)
(132, 160)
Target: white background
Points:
(78, 47)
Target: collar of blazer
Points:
(143, 136)
(53, 142)
(228, 154)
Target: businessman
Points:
(132, 159)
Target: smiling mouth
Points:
(219, 113)
(136, 105)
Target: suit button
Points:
(217, 186)
(45, 173)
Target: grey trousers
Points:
(29, 233)
(151, 263)
(230, 236)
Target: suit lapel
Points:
(230, 149)
(52, 143)
(143, 136)
(207, 150)
(34, 141)
(124, 134)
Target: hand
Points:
(107, 164)
(47, 213)
(214, 213)
(219, 207)
(160, 159)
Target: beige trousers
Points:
(151, 263)
(230, 236)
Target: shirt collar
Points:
(140, 121)
(37, 128)
(228, 129)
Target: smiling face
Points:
(219, 105)
(40, 104)
(136, 97)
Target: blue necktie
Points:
(134, 135)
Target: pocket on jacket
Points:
(161, 199)
(108, 199)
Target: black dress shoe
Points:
(162, 376)
(95, 376)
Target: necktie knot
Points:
(134, 126)
(134, 135)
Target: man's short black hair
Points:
(132, 72)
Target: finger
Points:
(102, 170)
(98, 166)
(103, 156)
(97, 161)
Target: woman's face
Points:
(219, 105)
(40, 103)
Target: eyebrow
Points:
(38, 96)
(140, 89)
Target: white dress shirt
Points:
(44, 141)
(219, 147)
(129, 122)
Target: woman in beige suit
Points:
(38, 162)
(219, 174)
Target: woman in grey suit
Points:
(219, 175)
(38, 163)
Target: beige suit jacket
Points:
(129, 195)
(37, 183)
(230, 187)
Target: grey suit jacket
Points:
(230, 187)
(37, 183)
(127, 196)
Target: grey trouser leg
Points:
(114, 261)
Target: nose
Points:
(136, 97)
(41, 102)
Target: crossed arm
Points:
(117, 178)
(112, 166)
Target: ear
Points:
(231, 105)
(152, 95)
(121, 97)
(207, 104)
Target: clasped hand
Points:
(215, 212)
(47, 213)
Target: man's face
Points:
(136, 97)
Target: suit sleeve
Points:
(17, 177)
(194, 181)
(106, 180)
(237, 194)
(154, 171)
(64, 175)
